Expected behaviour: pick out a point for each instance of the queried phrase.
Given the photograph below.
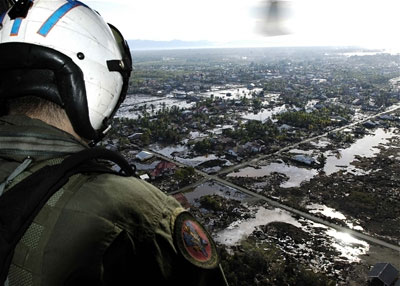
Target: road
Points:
(207, 177)
(254, 161)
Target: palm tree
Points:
(322, 161)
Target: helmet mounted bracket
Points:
(20, 9)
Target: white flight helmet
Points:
(63, 51)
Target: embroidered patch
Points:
(194, 243)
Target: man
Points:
(64, 72)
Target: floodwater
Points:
(360, 54)
(358, 115)
(295, 174)
(197, 135)
(326, 211)
(332, 213)
(298, 151)
(368, 146)
(214, 188)
(264, 114)
(169, 150)
(179, 154)
(194, 135)
(241, 229)
(134, 103)
(321, 143)
(218, 130)
(234, 92)
(193, 162)
(395, 81)
(310, 105)
(347, 246)
(272, 96)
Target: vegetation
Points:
(264, 264)
(276, 85)
(253, 130)
(214, 203)
(316, 120)
(321, 160)
(257, 103)
(302, 119)
(203, 147)
(335, 82)
(164, 128)
(341, 137)
(184, 175)
(362, 201)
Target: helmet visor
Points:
(123, 66)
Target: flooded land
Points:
(289, 157)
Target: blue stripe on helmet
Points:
(16, 26)
(2, 17)
(57, 15)
(17, 22)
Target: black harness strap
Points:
(20, 205)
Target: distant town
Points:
(289, 156)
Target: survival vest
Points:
(21, 203)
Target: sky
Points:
(367, 23)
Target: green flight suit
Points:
(100, 229)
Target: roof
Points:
(135, 135)
(144, 177)
(285, 127)
(385, 272)
(144, 155)
(369, 124)
(162, 167)
(304, 159)
(182, 200)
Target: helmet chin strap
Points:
(93, 143)
(107, 129)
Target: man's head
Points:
(63, 52)
(44, 110)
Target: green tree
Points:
(321, 161)
(184, 175)
(203, 146)
(257, 103)
(146, 137)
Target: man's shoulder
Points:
(110, 194)
(124, 187)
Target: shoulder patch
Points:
(194, 243)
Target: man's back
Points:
(98, 228)
(65, 72)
